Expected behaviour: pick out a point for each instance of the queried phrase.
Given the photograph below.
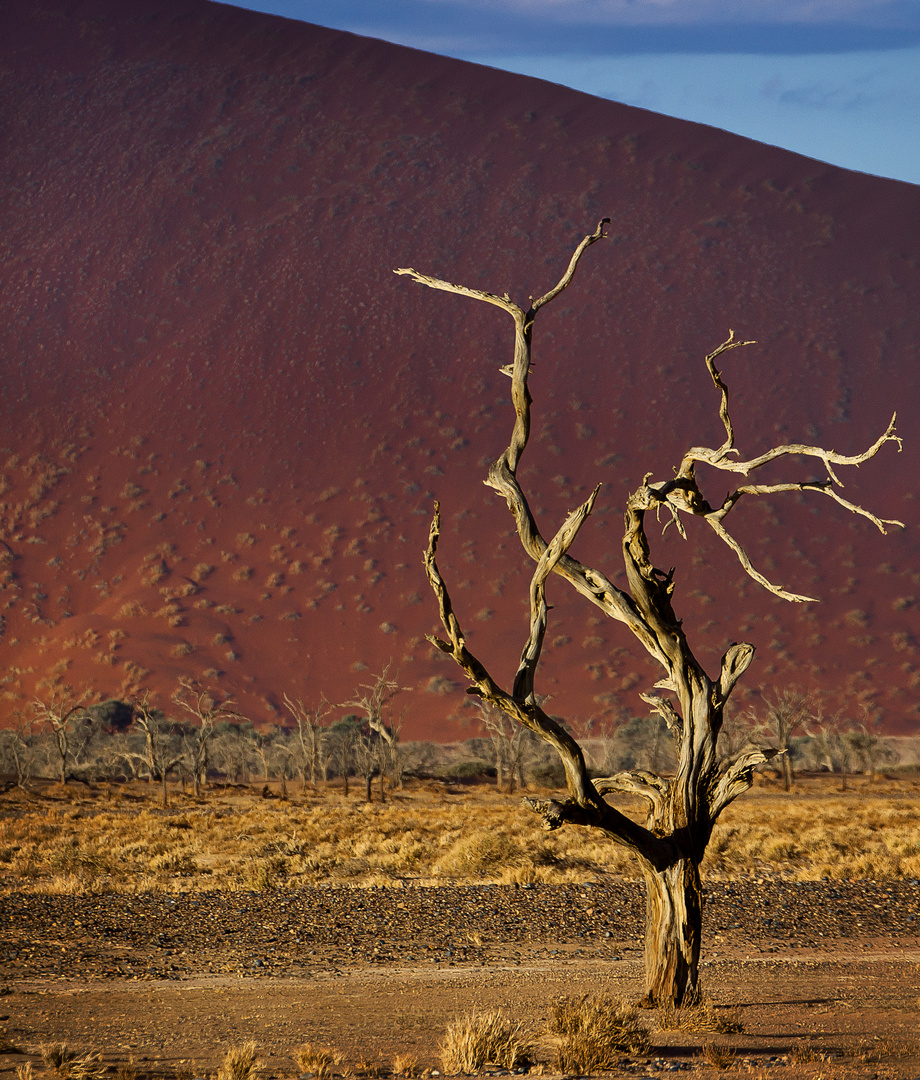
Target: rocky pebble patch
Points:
(301, 932)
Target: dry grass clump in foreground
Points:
(120, 841)
(594, 1030)
(718, 1057)
(318, 1060)
(239, 1063)
(486, 1038)
(56, 1055)
(406, 1065)
(700, 1019)
(67, 1063)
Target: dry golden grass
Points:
(318, 1060)
(703, 1018)
(119, 840)
(884, 1049)
(56, 1056)
(485, 1038)
(239, 1063)
(593, 1031)
(718, 1057)
(406, 1065)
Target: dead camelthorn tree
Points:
(682, 809)
(206, 710)
(312, 732)
(785, 714)
(61, 715)
(378, 745)
(159, 754)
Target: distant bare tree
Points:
(271, 747)
(510, 743)
(367, 751)
(785, 714)
(206, 709)
(833, 747)
(311, 731)
(18, 750)
(381, 738)
(60, 716)
(868, 741)
(341, 747)
(160, 753)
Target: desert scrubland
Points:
(329, 935)
(116, 838)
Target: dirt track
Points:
(816, 969)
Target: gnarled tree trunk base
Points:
(673, 928)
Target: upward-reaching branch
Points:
(592, 584)
(585, 806)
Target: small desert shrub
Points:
(240, 1062)
(719, 1057)
(56, 1055)
(23, 1072)
(806, 1055)
(702, 1018)
(317, 1060)
(594, 1030)
(480, 1039)
(406, 1065)
(468, 770)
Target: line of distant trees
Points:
(204, 739)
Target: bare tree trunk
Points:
(786, 766)
(673, 933)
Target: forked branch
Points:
(585, 806)
(683, 496)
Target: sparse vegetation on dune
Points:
(117, 838)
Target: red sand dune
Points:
(225, 420)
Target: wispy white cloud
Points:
(877, 13)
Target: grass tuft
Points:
(718, 1057)
(704, 1018)
(487, 1038)
(86, 1067)
(318, 1060)
(593, 1030)
(239, 1063)
(56, 1056)
(406, 1065)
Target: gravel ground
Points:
(306, 931)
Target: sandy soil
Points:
(174, 983)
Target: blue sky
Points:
(838, 80)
